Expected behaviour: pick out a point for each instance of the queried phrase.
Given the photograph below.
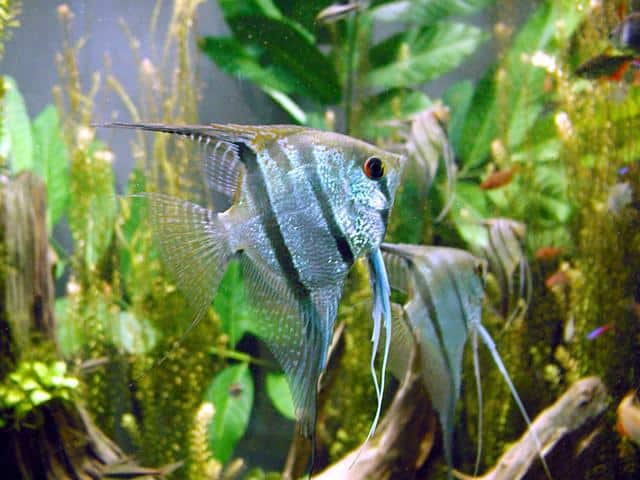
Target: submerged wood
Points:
(403, 441)
(584, 401)
(57, 440)
(298, 456)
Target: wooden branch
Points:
(58, 439)
(585, 400)
(300, 449)
(404, 439)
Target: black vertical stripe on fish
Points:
(423, 288)
(342, 244)
(258, 191)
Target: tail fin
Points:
(194, 246)
(488, 341)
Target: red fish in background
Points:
(499, 178)
(605, 67)
(557, 279)
(628, 417)
(548, 253)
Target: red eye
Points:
(373, 168)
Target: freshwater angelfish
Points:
(304, 205)
(444, 288)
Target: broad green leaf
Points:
(231, 304)
(480, 127)
(51, 162)
(458, 98)
(16, 123)
(468, 210)
(303, 12)
(280, 395)
(420, 54)
(426, 11)
(244, 63)
(132, 334)
(284, 47)
(231, 393)
(397, 104)
(517, 99)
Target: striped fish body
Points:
(308, 210)
(304, 204)
(444, 290)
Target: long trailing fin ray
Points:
(491, 346)
(381, 315)
(193, 244)
(295, 331)
(396, 269)
(476, 374)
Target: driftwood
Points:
(579, 406)
(58, 439)
(403, 441)
(300, 450)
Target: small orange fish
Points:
(548, 253)
(498, 179)
(605, 67)
(628, 418)
(560, 278)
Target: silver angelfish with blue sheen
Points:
(303, 208)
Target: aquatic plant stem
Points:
(351, 55)
(240, 356)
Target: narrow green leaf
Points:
(288, 105)
(231, 393)
(51, 162)
(16, 123)
(420, 54)
(280, 395)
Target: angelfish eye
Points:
(373, 168)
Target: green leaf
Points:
(242, 62)
(38, 397)
(480, 126)
(231, 304)
(521, 94)
(132, 334)
(458, 98)
(303, 12)
(231, 393)
(468, 210)
(280, 395)
(285, 47)
(287, 104)
(397, 104)
(242, 8)
(51, 162)
(426, 11)
(16, 123)
(420, 54)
